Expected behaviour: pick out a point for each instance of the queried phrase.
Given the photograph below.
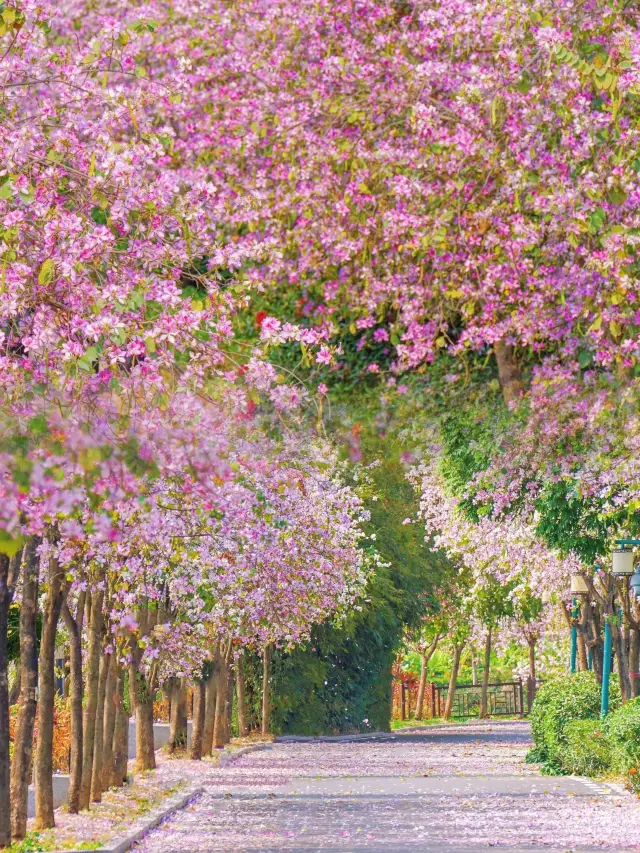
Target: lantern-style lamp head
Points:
(578, 585)
(545, 598)
(622, 562)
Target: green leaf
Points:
(6, 190)
(10, 545)
(47, 270)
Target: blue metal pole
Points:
(574, 638)
(590, 660)
(606, 670)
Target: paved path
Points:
(453, 788)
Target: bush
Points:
(623, 730)
(560, 702)
(587, 750)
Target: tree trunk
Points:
(23, 742)
(485, 677)
(7, 590)
(422, 685)
(98, 738)
(508, 372)
(623, 668)
(178, 722)
(91, 694)
(474, 667)
(241, 698)
(14, 692)
(120, 734)
(108, 725)
(220, 724)
(145, 751)
(197, 730)
(74, 630)
(210, 702)
(583, 659)
(457, 653)
(46, 697)
(266, 690)
(532, 661)
(228, 717)
(634, 662)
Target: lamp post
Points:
(622, 567)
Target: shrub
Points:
(587, 750)
(560, 702)
(623, 730)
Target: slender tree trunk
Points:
(7, 590)
(98, 738)
(91, 695)
(108, 725)
(241, 699)
(474, 667)
(583, 659)
(634, 662)
(23, 742)
(623, 669)
(485, 676)
(219, 728)
(14, 692)
(120, 735)
(457, 653)
(532, 661)
(74, 630)
(46, 698)
(228, 717)
(422, 685)
(266, 689)
(145, 750)
(197, 730)
(178, 722)
(210, 703)
(508, 372)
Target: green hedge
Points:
(586, 750)
(559, 703)
(623, 730)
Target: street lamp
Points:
(622, 563)
(579, 585)
(622, 567)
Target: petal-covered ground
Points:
(452, 788)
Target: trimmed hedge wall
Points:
(560, 745)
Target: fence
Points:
(506, 699)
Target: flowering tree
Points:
(449, 178)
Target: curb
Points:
(173, 804)
(230, 757)
(333, 738)
(140, 829)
